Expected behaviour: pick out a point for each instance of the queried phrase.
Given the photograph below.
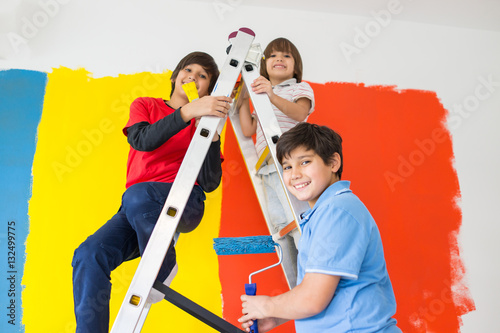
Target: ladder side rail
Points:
(271, 129)
(142, 319)
(129, 314)
(250, 158)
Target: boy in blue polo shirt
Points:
(342, 282)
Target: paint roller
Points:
(249, 245)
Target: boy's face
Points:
(280, 66)
(306, 175)
(196, 73)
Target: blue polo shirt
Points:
(340, 237)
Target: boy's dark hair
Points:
(200, 58)
(282, 45)
(321, 139)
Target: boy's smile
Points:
(306, 175)
(280, 66)
(196, 73)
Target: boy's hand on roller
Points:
(217, 106)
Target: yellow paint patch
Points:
(79, 174)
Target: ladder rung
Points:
(130, 313)
(263, 158)
(196, 310)
(289, 227)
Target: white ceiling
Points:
(470, 14)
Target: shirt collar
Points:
(288, 82)
(337, 188)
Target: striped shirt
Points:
(291, 91)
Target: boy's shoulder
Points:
(337, 191)
(148, 102)
(293, 84)
(304, 84)
(339, 196)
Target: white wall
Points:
(129, 36)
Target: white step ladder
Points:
(129, 315)
(269, 124)
(244, 59)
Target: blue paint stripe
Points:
(21, 103)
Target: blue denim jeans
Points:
(123, 237)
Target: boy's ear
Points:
(336, 162)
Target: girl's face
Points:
(280, 66)
(190, 73)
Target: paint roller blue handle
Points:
(251, 290)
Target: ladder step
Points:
(196, 310)
(263, 158)
(289, 227)
(130, 313)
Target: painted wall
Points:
(453, 73)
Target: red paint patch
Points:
(241, 216)
(398, 155)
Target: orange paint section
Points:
(398, 155)
(241, 216)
